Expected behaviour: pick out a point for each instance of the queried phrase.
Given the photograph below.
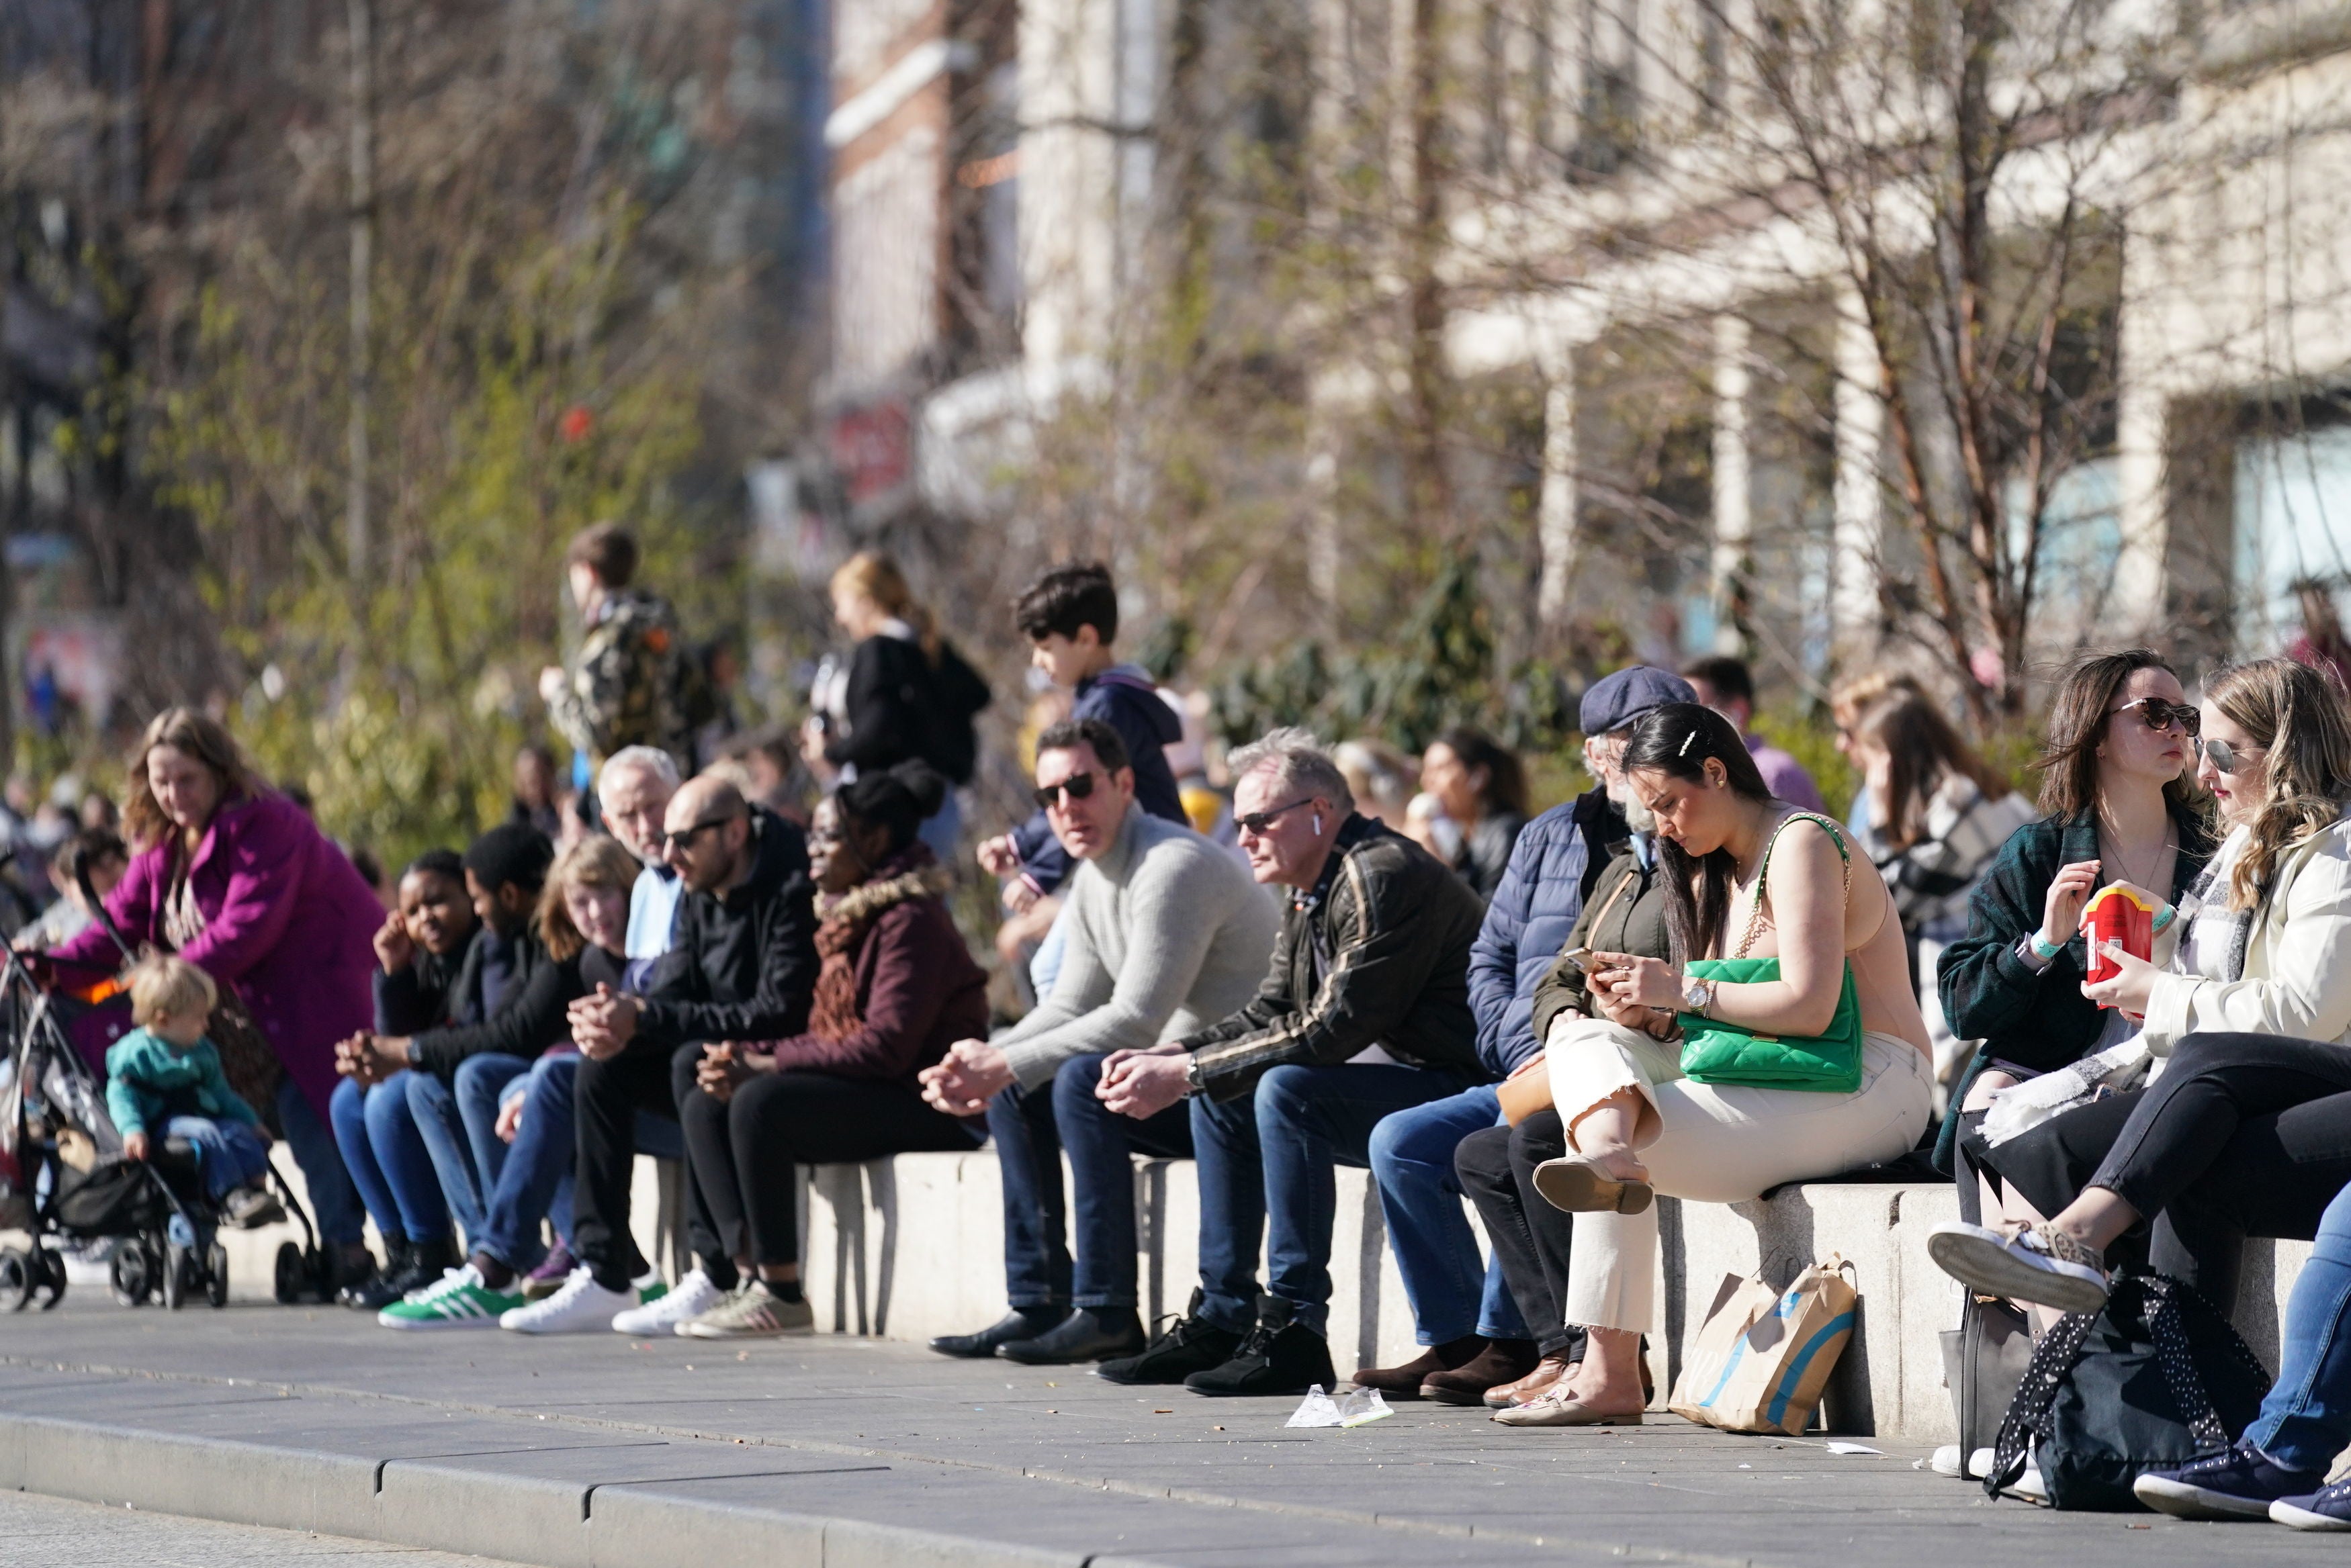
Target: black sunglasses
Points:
(686, 836)
(2158, 714)
(1257, 822)
(1076, 786)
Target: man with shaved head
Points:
(742, 965)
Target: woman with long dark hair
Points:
(1479, 782)
(2247, 1008)
(1746, 875)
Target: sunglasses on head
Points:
(2158, 714)
(1076, 786)
(2224, 757)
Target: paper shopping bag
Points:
(1763, 1357)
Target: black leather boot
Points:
(1089, 1333)
(1193, 1345)
(1280, 1356)
(427, 1261)
(1020, 1322)
(354, 1291)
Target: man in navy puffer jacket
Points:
(1475, 1337)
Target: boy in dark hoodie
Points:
(1070, 616)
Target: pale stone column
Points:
(1734, 514)
(2135, 606)
(1858, 501)
(1555, 508)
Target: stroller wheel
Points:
(179, 1275)
(291, 1276)
(133, 1279)
(51, 1265)
(217, 1275)
(17, 1279)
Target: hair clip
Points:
(1686, 743)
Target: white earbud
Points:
(1318, 822)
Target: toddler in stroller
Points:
(164, 1080)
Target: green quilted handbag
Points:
(1716, 1051)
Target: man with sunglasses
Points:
(742, 965)
(1165, 933)
(1364, 1012)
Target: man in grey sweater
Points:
(1166, 933)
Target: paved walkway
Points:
(44, 1532)
(599, 1449)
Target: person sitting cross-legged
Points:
(1165, 933)
(1476, 1336)
(1746, 875)
(1363, 1011)
(742, 966)
(897, 984)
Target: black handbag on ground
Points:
(2157, 1378)
(1984, 1363)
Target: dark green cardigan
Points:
(2035, 1020)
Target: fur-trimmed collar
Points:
(868, 900)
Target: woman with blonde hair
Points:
(904, 693)
(2247, 1010)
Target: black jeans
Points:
(746, 1150)
(1531, 1239)
(1032, 1129)
(606, 1098)
(2243, 1134)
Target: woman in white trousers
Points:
(1747, 876)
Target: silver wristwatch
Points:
(1698, 995)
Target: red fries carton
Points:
(2115, 914)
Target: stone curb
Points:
(531, 1520)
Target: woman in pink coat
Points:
(237, 880)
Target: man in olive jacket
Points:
(1365, 1010)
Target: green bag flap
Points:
(1715, 1051)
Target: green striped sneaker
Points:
(459, 1300)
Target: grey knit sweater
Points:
(1167, 934)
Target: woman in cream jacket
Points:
(2247, 1129)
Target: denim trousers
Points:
(1267, 1160)
(228, 1154)
(2306, 1419)
(432, 1107)
(335, 1205)
(1420, 1197)
(479, 1087)
(1032, 1130)
(387, 1159)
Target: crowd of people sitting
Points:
(1323, 970)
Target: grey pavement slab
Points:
(598, 1449)
(55, 1532)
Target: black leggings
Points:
(2243, 1134)
(745, 1150)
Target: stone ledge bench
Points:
(910, 1247)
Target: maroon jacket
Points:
(918, 993)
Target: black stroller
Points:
(63, 1177)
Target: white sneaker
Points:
(579, 1306)
(2035, 1262)
(1946, 1462)
(661, 1314)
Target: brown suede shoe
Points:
(1502, 1361)
(1548, 1371)
(1404, 1382)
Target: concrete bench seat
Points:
(910, 1247)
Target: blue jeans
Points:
(479, 1087)
(1420, 1197)
(334, 1197)
(2306, 1419)
(387, 1159)
(534, 1180)
(1032, 1129)
(1266, 1164)
(228, 1154)
(433, 1108)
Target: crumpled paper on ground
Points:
(1359, 1408)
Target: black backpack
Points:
(954, 694)
(2157, 1378)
